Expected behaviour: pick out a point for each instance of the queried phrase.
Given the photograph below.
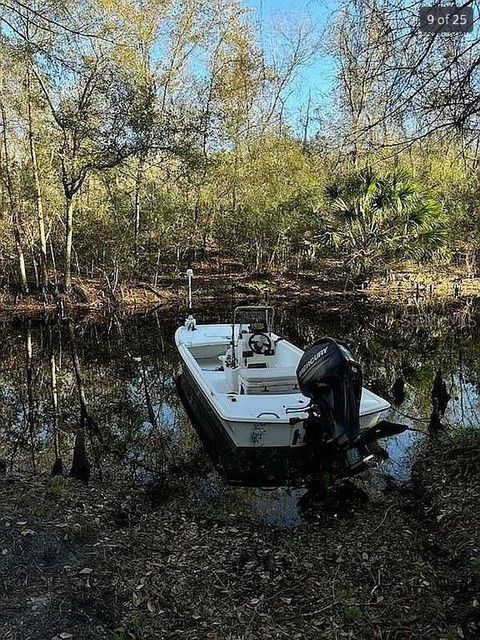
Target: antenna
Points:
(190, 322)
(189, 276)
(233, 323)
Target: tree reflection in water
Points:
(113, 380)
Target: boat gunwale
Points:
(209, 394)
(188, 359)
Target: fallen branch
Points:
(383, 519)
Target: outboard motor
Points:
(328, 374)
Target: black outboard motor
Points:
(328, 374)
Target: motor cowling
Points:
(328, 374)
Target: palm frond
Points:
(378, 215)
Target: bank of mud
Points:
(170, 292)
(327, 284)
(114, 562)
(431, 283)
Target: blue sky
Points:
(319, 76)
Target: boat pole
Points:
(233, 324)
(190, 322)
(190, 276)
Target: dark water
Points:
(123, 389)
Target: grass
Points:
(59, 488)
(352, 613)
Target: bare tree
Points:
(400, 85)
(13, 203)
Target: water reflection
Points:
(114, 381)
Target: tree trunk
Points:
(258, 255)
(137, 211)
(35, 270)
(38, 192)
(30, 401)
(16, 227)
(273, 255)
(68, 241)
(58, 465)
(80, 465)
(54, 265)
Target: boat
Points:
(257, 394)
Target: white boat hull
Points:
(249, 421)
(244, 434)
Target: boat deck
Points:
(249, 407)
(261, 406)
(252, 407)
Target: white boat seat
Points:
(257, 374)
(268, 380)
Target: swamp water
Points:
(117, 377)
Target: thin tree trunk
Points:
(137, 211)
(38, 192)
(31, 410)
(157, 268)
(54, 264)
(68, 241)
(35, 269)
(58, 465)
(271, 260)
(17, 233)
(258, 254)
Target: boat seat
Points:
(268, 380)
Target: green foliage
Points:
(374, 216)
(59, 488)
(276, 188)
(166, 122)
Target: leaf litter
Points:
(389, 568)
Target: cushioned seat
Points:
(268, 380)
(269, 373)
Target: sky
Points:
(318, 77)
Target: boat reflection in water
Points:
(253, 467)
(287, 493)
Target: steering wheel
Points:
(259, 343)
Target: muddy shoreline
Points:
(398, 287)
(111, 562)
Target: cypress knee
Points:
(439, 392)
(435, 425)
(80, 465)
(398, 391)
(57, 469)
